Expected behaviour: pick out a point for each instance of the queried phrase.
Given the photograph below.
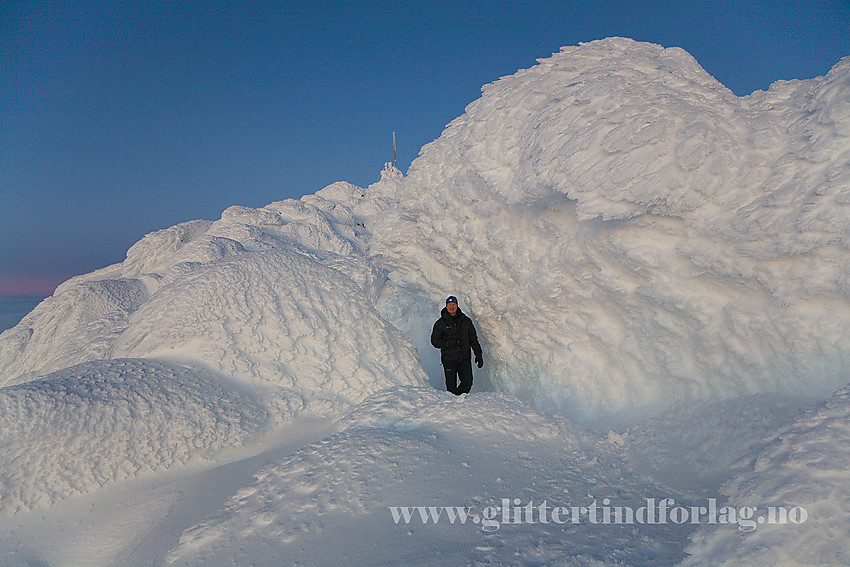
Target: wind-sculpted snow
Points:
(279, 318)
(78, 323)
(628, 233)
(99, 422)
(280, 295)
(625, 231)
(631, 239)
(804, 469)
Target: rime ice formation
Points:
(625, 230)
(641, 250)
(279, 295)
(629, 233)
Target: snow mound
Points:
(419, 447)
(627, 233)
(78, 323)
(803, 469)
(281, 296)
(99, 422)
(279, 318)
(411, 409)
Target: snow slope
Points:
(276, 300)
(278, 295)
(805, 462)
(644, 254)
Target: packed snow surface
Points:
(418, 445)
(659, 272)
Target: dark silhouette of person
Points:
(455, 336)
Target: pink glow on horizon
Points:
(30, 285)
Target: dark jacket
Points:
(455, 336)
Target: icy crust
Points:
(420, 447)
(804, 465)
(99, 422)
(627, 233)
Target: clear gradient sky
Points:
(121, 118)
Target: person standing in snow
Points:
(454, 334)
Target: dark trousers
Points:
(458, 370)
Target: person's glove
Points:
(479, 361)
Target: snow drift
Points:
(805, 462)
(417, 446)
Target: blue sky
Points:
(121, 118)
